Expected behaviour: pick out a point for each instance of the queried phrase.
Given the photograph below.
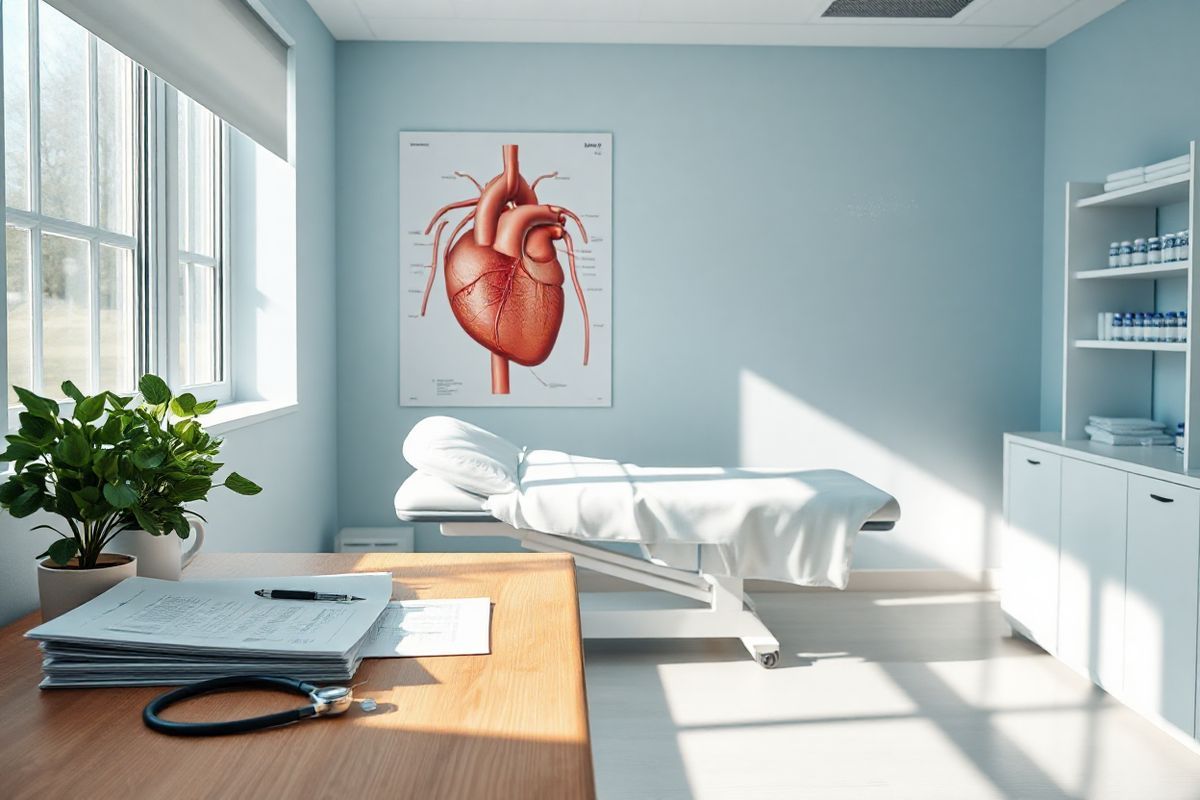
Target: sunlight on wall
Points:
(263, 240)
(940, 525)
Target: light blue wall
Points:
(289, 456)
(1119, 92)
(857, 228)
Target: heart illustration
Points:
(503, 278)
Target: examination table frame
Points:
(720, 608)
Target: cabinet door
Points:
(1161, 577)
(1091, 571)
(1030, 552)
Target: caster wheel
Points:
(768, 660)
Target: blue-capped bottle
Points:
(1170, 327)
(1127, 327)
(1183, 326)
(1114, 254)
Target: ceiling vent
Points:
(896, 9)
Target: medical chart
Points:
(458, 627)
(505, 269)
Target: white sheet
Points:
(782, 525)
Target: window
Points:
(114, 212)
(198, 280)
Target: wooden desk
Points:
(509, 725)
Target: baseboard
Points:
(861, 580)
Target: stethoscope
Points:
(328, 701)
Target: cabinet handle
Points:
(1162, 499)
(1031, 461)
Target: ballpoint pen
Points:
(296, 594)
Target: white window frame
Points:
(155, 234)
(38, 223)
(164, 108)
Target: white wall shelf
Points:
(1121, 382)
(1162, 347)
(1176, 189)
(1174, 269)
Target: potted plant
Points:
(112, 466)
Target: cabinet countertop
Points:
(1161, 462)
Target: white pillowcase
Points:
(464, 455)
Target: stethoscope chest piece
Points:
(326, 701)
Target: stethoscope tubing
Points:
(150, 715)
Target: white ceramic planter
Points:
(161, 557)
(64, 588)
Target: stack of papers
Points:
(146, 632)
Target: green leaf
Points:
(120, 495)
(89, 409)
(34, 428)
(184, 405)
(61, 551)
(154, 389)
(206, 407)
(20, 451)
(71, 391)
(117, 402)
(74, 450)
(193, 488)
(148, 459)
(29, 502)
(11, 490)
(113, 429)
(38, 406)
(145, 521)
(241, 485)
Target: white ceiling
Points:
(984, 23)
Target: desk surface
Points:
(509, 725)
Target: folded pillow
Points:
(463, 454)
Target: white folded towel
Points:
(1125, 174)
(1159, 174)
(1113, 186)
(1184, 160)
(1126, 439)
(1126, 425)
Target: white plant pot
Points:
(64, 588)
(161, 557)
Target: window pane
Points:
(63, 74)
(116, 319)
(199, 331)
(197, 177)
(183, 116)
(20, 345)
(204, 317)
(114, 109)
(66, 330)
(16, 103)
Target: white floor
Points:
(880, 695)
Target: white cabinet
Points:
(1030, 547)
(1091, 571)
(1101, 557)
(1161, 580)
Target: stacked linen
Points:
(1127, 431)
(1148, 174)
(1168, 169)
(1124, 179)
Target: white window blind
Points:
(219, 52)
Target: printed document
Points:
(459, 627)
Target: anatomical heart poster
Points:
(505, 269)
